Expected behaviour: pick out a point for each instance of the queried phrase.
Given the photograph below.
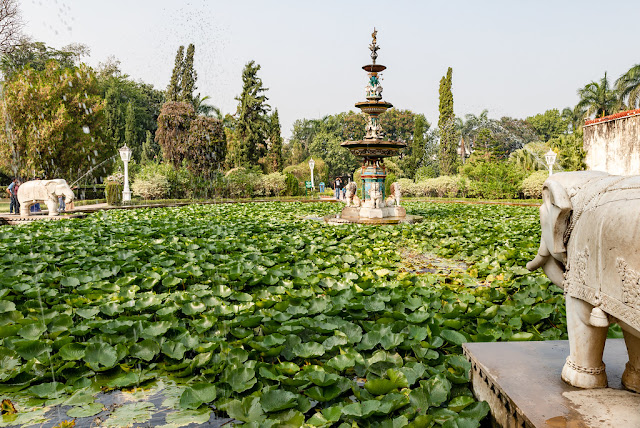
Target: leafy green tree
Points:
(446, 123)
(274, 157)
(172, 134)
(120, 92)
(251, 122)
(129, 126)
(339, 160)
(548, 125)
(175, 84)
(598, 98)
(492, 178)
(574, 117)
(571, 153)
(56, 121)
(416, 152)
(34, 55)
(150, 149)
(397, 125)
(628, 88)
(189, 76)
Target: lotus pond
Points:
(252, 312)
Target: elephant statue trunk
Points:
(590, 233)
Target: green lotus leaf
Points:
(192, 308)
(188, 417)
(85, 411)
(29, 349)
(287, 368)
(173, 349)
(241, 379)
(171, 281)
(7, 306)
(145, 350)
(197, 394)
(460, 402)
(69, 281)
(247, 410)
(380, 386)
(72, 351)
(323, 394)
(32, 331)
(47, 390)
(308, 350)
(453, 336)
(154, 329)
(322, 378)
(279, 399)
(130, 414)
(100, 356)
(361, 410)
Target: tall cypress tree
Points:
(189, 76)
(130, 127)
(252, 117)
(175, 86)
(417, 145)
(446, 123)
(275, 151)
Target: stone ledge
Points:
(521, 382)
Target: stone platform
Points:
(521, 382)
(15, 219)
(367, 215)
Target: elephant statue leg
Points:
(25, 209)
(631, 375)
(52, 206)
(584, 367)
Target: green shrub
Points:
(425, 172)
(292, 185)
(492, 178)
(241, 182)
(532, 185)
(153, 181)
(113, 193)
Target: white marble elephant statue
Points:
(590, 247)
(46, 191)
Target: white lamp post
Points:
(125, 155)
(312, 163)
(550, 157)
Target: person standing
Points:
(338, 183)
(14, 206)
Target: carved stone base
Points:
(367, 215)
(583, 377)
(631, 378)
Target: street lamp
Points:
(550, 157)
(125, 155)
(312, 163)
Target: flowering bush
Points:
(117, 178)
(152, 182)
(273, 184)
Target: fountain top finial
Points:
(373, 47)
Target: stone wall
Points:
(612, 143)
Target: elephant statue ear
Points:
(51, 186)
(558, 207)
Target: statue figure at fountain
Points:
(394, 195)
(373, 129)
(375, 195)
(352, 197)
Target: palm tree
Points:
(598, 98)
(574, 117)
(628, 87)
(203, 109)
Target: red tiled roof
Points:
(612, 116)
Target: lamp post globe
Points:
(312, 163)
(550, 157)
(125, 155)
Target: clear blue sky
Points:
(514, 58)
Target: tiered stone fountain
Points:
(375, 206)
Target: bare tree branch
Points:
(10, 25)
